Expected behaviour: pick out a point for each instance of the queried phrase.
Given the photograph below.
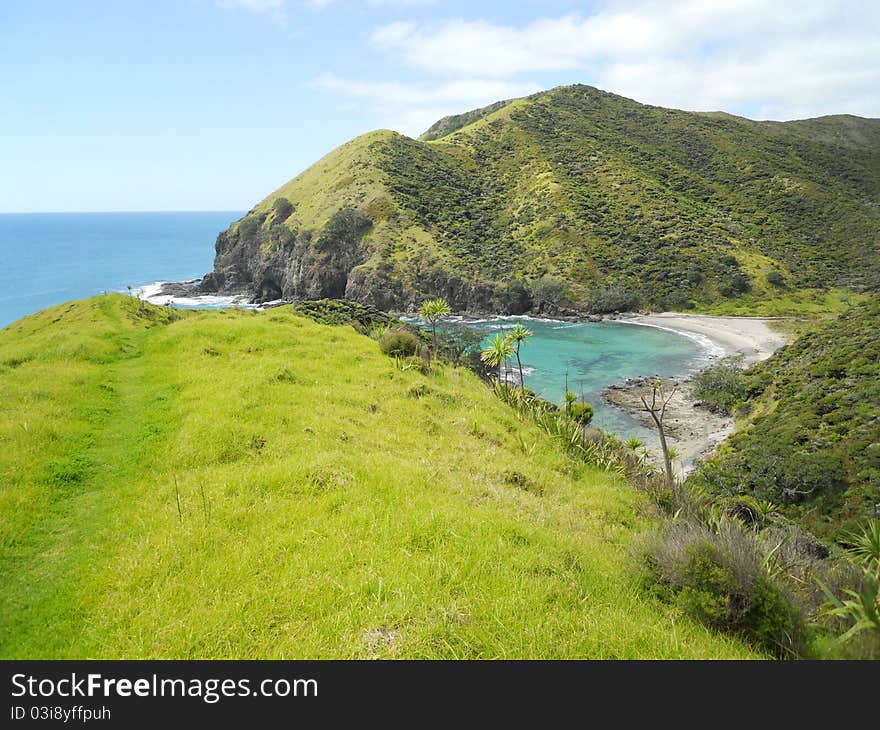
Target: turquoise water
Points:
(49, 258)
(594, 355)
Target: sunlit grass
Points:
(329, 507)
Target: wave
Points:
(153, 294)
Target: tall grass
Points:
(330, 504)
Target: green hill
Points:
(810, 437)
(232, 484)
(575, 199)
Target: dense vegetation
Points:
(579, 199)
(809, 440)
(236, 484)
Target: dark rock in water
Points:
(180, 288)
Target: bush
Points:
(720, 386)
(399, 343)
(581, 412)
(548, 291)
(719, 578)
(614, 298)
(283, 209)
(775, 278)
(740, 283)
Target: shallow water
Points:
(593, 355)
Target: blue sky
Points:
(211, 104)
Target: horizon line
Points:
(120, 212)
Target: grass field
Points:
(330, 504)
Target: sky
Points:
(124, 105)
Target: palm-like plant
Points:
(496, 354)
(432, 311)
(860, 608)
(864, 546)
(517, 336)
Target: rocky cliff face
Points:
(262, 257)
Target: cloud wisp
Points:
(782, 59)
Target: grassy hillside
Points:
(810, 435)
(330, 504)
(579, 199)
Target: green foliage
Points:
(399, 343)
(283, 209)
(810, 445)
(720, 577)
(721, 386)
(613, 298)
(433, 310)
(582, 413)
(775, 278)
(859, 608)
(345, 311)
(548, 293)
(863, 545)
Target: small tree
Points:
(581, 413)
(433, 311)
(517, 336)
(496, 354)
(657, 409)
(283, 209)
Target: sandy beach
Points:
(751, 337)
(694, 431)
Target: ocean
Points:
(49, 258)
(46, 259)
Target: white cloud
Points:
(785, 58)
(412, 108)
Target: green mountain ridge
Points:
(570, 200)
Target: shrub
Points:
(678, 300)
(399, 343)
(720, 578)
(249, 227)
(775, 278)
(740, 283)
(283, 209)
(548, 291)
(720, 386)
(581, 412)
(613, 298)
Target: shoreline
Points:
(750, 337)
(695, 432)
